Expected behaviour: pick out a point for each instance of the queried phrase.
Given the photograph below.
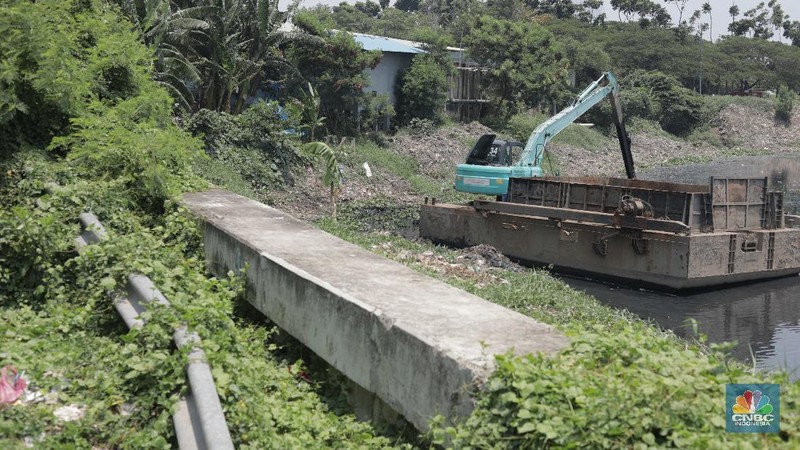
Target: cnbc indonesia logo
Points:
(753, 410)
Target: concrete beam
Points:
(422, 346)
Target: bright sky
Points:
(719, 9)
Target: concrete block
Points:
(420, 345)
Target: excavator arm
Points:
(480, 176)
(592, 95)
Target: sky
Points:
(719, 9)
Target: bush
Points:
(258, 144)
(784, 103)
(422, 90)
(54, 71)
(658, 97)
(376, 111)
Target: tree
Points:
(407, 5)
(748, 62)
(784, 104)
(369, 8)
(560, 9)
(791, 31)
(706, 8)
(422, 90)
(337, 70)
(681, 5)
(225, 48)
(525, 63)
(757, 22)
(778, 17)
(587, 11)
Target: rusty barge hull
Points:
(693, 236)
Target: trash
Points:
(70, 413)
(12, 385)
(367, 170)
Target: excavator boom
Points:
(493, 179)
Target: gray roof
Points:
(386, 44)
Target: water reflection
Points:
(764, 318)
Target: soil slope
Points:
(738, 130)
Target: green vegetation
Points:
(86, 124)
(423, 90)
(621, 383)
(784, 104)
(125, 160)
(520, 126)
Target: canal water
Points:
(763, 318)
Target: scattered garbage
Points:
(486, 255)
(12, 385)
(70, 413)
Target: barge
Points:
(654, 234)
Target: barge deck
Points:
(665, 235)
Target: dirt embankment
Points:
(738, 129)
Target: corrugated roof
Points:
(386, 44)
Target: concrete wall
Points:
(422, 346)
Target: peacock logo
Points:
(753, 408)
(752, 402)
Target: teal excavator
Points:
(490, 163)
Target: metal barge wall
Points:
(680, 252)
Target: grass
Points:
(615, 358)
(717, 103)
(385, 160)
(521, 126)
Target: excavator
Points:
(490, 163)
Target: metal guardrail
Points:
(199, 422)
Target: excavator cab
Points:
(490, 151)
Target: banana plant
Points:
(331, 175)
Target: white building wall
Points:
(384, 76)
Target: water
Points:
(764, 318)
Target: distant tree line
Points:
(219, 55)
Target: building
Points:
(464, 101)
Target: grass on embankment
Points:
(622, 382)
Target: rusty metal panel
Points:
(686, 203)
(738, 203)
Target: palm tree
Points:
(175, 33)
(221, 48)
(245, 50)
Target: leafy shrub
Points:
(784, 104)
(660, 97)
(626, 389)
(53, 70)
(376, 112)
(422, 90)
(657, 97)
(135, 144)
(258, 144)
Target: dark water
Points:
(764, 318)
